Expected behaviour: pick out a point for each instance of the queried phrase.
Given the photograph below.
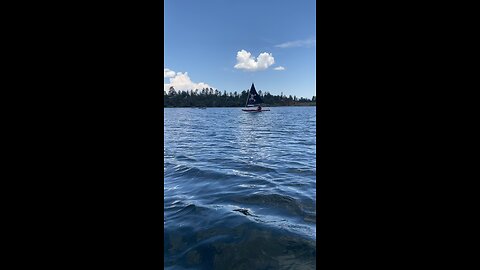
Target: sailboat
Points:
(253, 101)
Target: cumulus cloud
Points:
(181, 81)
(311, 42)
(167, 73)
(245, 61)
(279, 68)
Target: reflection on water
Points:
(240, 189)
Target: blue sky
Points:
(228, 44)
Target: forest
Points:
(208, 97)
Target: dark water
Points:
(240, 188)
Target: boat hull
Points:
(247, 110)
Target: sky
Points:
(228, 44)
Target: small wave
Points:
(185, 158)
(246, 212)
(257, 168)
(303, 172)
(282, 202)
(191, 171)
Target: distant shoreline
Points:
(194, 107)
(210, 98)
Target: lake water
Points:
(240, 188)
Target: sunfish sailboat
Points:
(253, 101)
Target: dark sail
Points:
(254, 97)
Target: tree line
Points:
(208, 97)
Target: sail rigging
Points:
(253, 97)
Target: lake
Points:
(240, 188)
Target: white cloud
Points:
(181, 81)
(298, 43)
(245, 61)
(167, 73)
(279, 68)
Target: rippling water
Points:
(240, 188)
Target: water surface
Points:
(239, 188)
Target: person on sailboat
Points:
(259, 108)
